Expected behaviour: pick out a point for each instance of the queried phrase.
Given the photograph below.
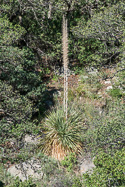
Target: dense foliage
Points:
(102, 36)
(109, 170)
(30, 51)
(106, 131)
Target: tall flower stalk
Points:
(65, 63)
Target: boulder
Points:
(24, 170)
(31, 139)
(86, 165)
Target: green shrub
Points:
(69, 161)
(81, 90)
(121, 79)
(78, 70)
(26, 183)
(89, 86)
(15, 109)
(109, 170)
(77, 182)
(49, 165)
(55, 78)
(63, 180)
(71, 95)
(116, 92)
(105, 131)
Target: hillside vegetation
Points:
(63, 82)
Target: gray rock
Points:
(31, 139)
(87, 165)
(27, 169)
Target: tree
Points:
(14, 109)
(102, 35)
(21, 86)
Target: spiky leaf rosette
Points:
(62, 136)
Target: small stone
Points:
(100, 96)
(99, 93)
(107, 82)
(109, 87)
(100, 112)
(120, 88)
(57, 93)
(84, 77)
(92, 73)
(73, 73)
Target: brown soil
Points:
(72, 82)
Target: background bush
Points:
(109, 170)
(106, 131)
